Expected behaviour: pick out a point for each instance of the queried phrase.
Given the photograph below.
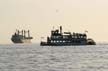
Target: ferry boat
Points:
(21, 37)
(59, 38)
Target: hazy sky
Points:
(39, 16)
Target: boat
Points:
(21, 37)
(59, 38)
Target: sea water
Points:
(33, 57)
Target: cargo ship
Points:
(59, 38)
(21, 37)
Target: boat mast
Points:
(28, 33)
(24, 33)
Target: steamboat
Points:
(59, 38)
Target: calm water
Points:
(37, 58)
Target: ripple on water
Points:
(69, 58)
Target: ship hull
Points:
(21, 40)
(64, 44)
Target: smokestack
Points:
(60, 29)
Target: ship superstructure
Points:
(21, 37)
(59, 38)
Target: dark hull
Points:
(16, 40)
(63, 44)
